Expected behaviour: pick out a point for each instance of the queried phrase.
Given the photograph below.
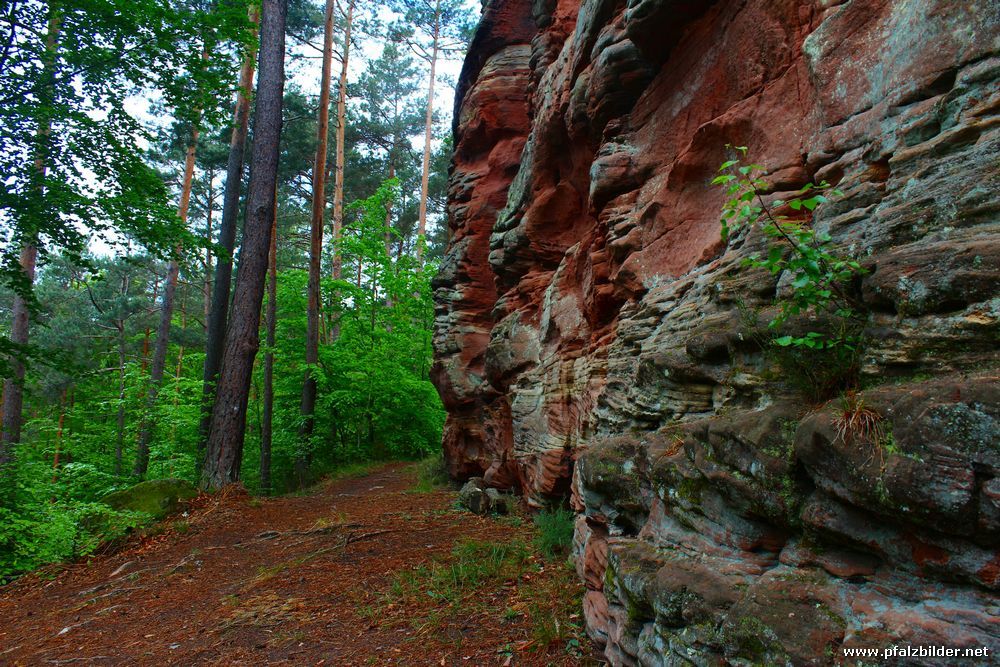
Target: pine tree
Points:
(228, 426)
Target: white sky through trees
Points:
(303, 68)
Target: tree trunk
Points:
(166, 315)
(338, 182)
(428, 128)
(308, 402)
(120, 425)
(216, 333)
(207, 285)
(13, 390)
(272, 318)
(228, 425)
(59, 435)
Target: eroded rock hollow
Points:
(595, 334)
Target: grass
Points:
(555, 532)
(473, 564)
(553, 608)
(526, 581)
(858, 423)
(432, 474)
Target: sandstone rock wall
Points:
(592, 334)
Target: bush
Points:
(822, 282)
(36, 534)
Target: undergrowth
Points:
(432, 474)
(555, 532)
(469, 580)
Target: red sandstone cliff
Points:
(591, 333)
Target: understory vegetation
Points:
(479, 579)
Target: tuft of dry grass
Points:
(858, 423)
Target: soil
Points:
(300, 580)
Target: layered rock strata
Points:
(595, 335)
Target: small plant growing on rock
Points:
(821, 362)
(858, 423)
(820, 278)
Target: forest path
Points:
(300, 580)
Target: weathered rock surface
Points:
(479, 498)
(591, 332)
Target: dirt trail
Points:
(296, 580)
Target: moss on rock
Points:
(156, 497)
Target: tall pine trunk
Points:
(215, 335)
(13, 390)
(228, 425)
(166, 315)
(428, 132)
(267, 420)
(307, 405)
(338, 179)
(206, 290)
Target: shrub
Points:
(821, 280)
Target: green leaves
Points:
(820, 279)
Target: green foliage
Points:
(432, 473)
(555, 532)
(51, 520)
(69, 102)
(820, 278)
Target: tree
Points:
(13, 391)
(70, 149)
(389, 116)
(166, 315)
(443, 29)
(267, 418)
(228, 426)
(308, 403)
(338, 187)
(216, 326)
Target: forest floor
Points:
(357, 571)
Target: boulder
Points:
(156, 497)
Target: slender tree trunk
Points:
(59, 435)
(388, 211)
(13, 390)
(207, 286)
(266, 426)
(228, 426)
(338, 182)
(428, 131)
(178, 374)
(216, 333)
(120, 425)
(307, 405)
(166, 315)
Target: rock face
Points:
(594, 332)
